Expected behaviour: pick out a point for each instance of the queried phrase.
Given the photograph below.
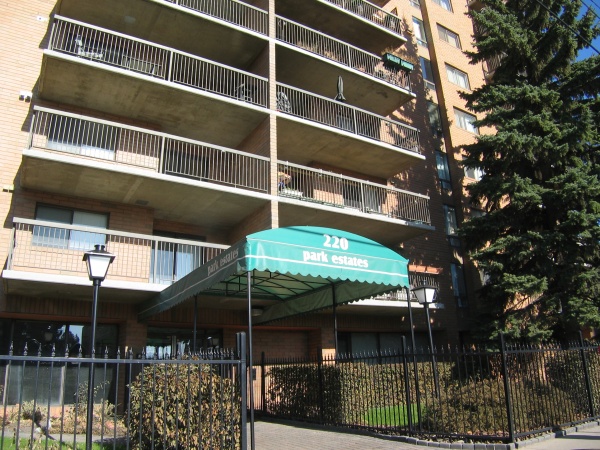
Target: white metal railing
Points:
(163, 153)
(116, 49)
(415, 279)
(231, 11)
(348, 118)
(370, 12)
(50, 247)
(341, 52)
(328, 188)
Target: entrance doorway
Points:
(166, 342)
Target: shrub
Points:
(104, 421)
(566, 372)
(351, 391)
(479, 408)
(175, 406)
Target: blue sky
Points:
(593, 4)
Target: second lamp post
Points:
(426, 295)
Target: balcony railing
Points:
(328, 188)
(131, 54)
(49, 247)
(163, 153)
(339, 51)
(348, 118)
(415, 279)
(231, 11)
(490, 65)
(370, 12)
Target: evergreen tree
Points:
(538, 241)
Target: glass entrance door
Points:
(168, 342)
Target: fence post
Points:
(586, 371)
(320, 374)
(241, 351)
(509, 408)
(407, 386)
(263, 383)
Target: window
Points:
(416, 3)
(446, 4)
(457, 77)
(435, 119)
(185, 160)
(66, 238)
(419, 31)
(427, 73)
(352, 196)
(449, 36)
(441, 160)
(465, 121)
(451, 225)
(173, 260)
(365, 343)
(475, 173)
(60, 338)
(458, 284)
(71, 135)
(477, 212)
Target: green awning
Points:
(301, 269)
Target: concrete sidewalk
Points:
(295, 436)
(582, 437)
(277, 436)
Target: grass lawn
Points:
(394, 416)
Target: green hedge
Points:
(175, 406)
(350, 392)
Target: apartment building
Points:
(168, 130)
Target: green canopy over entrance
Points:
(301, 269)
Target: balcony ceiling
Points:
(154, 21)
(304, 142)
(325, 17)
(380, 228)
(172, 198)
(178, 109)
(76, 288)
(312, 73)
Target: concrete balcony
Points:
(313, 129)
(45, 259)
(192, 26)
(313, 61)
(476, 5)
(321, 198)
(99, 69)
(80, 156)
(388, 303)
(357, 22)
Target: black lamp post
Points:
(97, 262)
(426, 295)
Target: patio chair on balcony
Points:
(245, 92)
(87, 51)
(283, 103)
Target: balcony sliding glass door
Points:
(172, 261)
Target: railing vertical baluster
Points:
(586, 372)
(321, 386)
(507, 391)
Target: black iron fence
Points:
(478, 394)
(187, 401)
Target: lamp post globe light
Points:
(97, 262)
(427, 294)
